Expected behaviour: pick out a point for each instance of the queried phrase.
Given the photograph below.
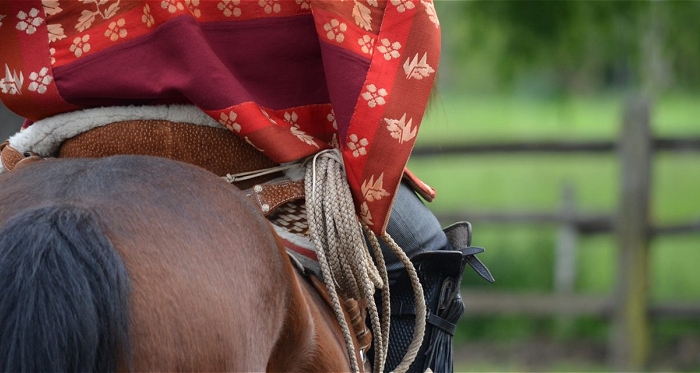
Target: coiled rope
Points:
(345, 261)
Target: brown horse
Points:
(147, 264)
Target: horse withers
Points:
(134, 263)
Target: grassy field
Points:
(521, 256)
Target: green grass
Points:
(476, 118)
(563, 366)
(521, 256)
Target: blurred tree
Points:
(573, 45)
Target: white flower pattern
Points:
(193, 6)
(270, 6)
(28, 22)
(116, 30)
(374, 96)
(292, 118)
(229, 121)
(389, 49)
(331, 118)
(335, 30)
(80, 45)
(403, 5)
(357, 145)
(147, 17)
(171, 5)
(366, 44)
(230, 7)
(40, 81)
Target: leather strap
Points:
(441, 323)
(409, 310)
(12, 159)
(269, 196)
(9, 155)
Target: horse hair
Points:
(64, 288)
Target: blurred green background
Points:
(562, 70)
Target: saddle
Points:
(218, 150)
(278, 197)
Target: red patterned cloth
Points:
(292, 77)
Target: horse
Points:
(139, 263)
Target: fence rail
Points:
(584, 223)
(627, 307)
(658, 144)
(482, 303)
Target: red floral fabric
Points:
(292, 77)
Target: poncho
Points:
(292, 77)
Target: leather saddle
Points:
(221, 152)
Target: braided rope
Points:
(380, 327)
(421, 309)
(345, 261)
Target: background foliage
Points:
(534, 70)
(559, 47)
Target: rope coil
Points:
(345, 260)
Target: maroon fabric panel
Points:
(276, 63)
(346, 73)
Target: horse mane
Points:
(64, 288)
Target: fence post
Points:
(567, 237)
(630, 334)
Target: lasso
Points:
(345, 260)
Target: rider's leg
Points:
(439, 257)
(414, 228)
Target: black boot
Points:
(440, 273)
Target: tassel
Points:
(439, 355)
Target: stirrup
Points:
(440, 273)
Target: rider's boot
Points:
(440, 273)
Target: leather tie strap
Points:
(441, 323)
(408, 310)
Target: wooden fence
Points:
(628, 306)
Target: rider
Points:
(291, 77)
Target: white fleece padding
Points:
(44, 137)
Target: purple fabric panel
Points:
(274, 62)
(346, 73)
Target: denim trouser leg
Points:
(414, 228)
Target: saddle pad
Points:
(300, 247)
